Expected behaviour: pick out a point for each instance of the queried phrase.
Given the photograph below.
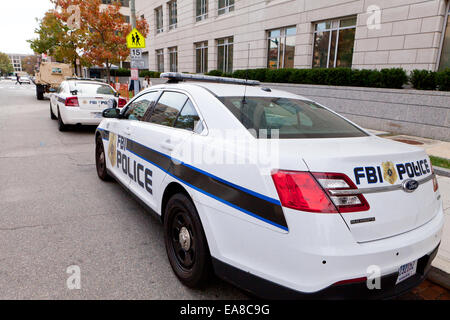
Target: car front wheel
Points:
(186, 243)
(52, 115)
(100, 160)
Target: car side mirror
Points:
(117, 94)
(111, 113)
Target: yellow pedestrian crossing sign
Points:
(135, 39)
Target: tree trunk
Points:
(107, 70)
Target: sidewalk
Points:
(439, 149)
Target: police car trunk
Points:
(380, 168)
(93, 97)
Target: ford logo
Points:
(410, 185)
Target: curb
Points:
(439, 277)
(441, 171)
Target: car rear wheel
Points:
(52, 115)
(186, 243)
(61, 125)
(100, 160)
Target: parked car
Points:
(81, 101)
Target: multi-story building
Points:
(16, 61)
(202, 35)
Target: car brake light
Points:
(318, 192)
(71, 102)
(435, 183)
(300, 191)
(122, 102)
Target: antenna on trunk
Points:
(246, 74)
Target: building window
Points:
(159, 19)
(173, 59)
(201, 9)
(444, 61)
(172, 6)
(126, 19)
(225, 54)
(123, 3)
(281, 48)
(160, 60)
(201, 57)
(225, 6)
(333, 43)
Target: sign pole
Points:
(133, 26)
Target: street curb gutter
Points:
(439, 277)
(441, 171)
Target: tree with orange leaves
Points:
(99, 30)
(106, 30)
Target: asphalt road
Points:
(55, 213)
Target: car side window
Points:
(188, 117)
(167, 108)
(138, 108)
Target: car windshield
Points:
(289, 118)
(90, 89)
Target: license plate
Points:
(97, 114)
(406, 271)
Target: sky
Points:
(17, 23)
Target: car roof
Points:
(231, 90)
(86, 81)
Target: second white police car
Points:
(80, 101)
(272, 191)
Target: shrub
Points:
(393, 78)
(216, 73)
(423, 79)
(121, 72)
(443, 80)
(151, 74)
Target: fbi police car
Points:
(328, 210)
(81, 101)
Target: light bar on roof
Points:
(199, 77)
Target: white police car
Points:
(81, 101)
(273, 192)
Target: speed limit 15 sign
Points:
(135, 53)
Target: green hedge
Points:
(127, 73)
(386, 78)
(430, 80)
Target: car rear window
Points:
(91, 89)
(291, 118)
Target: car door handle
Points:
(166, 145)
(127, 131)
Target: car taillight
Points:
(342, 191)
(300, 191)
(71, 102)
(435, 183)
(122, 102)
(318, 192)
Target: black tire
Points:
(191, 263)
(40, 92)
(100, 160)
(52, 115)
(61, 125)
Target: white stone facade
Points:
(403, 33)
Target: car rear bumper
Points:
(269, 290)
(75, 115)
(317, 252)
